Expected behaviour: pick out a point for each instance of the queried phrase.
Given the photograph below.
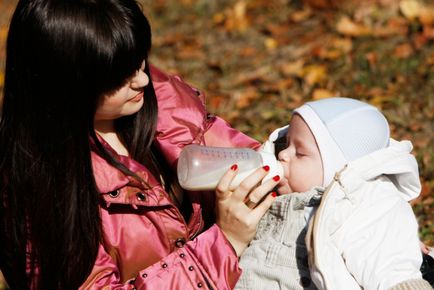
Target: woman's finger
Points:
(222, 189)
(260, 210)
(258, 193)
(251, 182)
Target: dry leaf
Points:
(403, 51)
(270, 43)
(293, 68)
(419, 40)
(245, 98)
(410, 8)
(395, 26)
(428, 32)
(236, 17)
(426, 15)
(372, 59)
(348, 27)
(379, 100)
(301, 15)
(314, 74)
(319, 94)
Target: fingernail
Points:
(234, 167)
(276, 178)
(266, 168)
(273, 194)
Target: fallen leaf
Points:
(293, 68)
(319, 94)
(245, 97)
(236, 17)
(426, 15)
(347, 27)
(403, 51)
(372, 59)
(270, 43)
(419, 40)
(395, 26)
(301, 15)
(428, 31)
(411, 9)
(314, 74)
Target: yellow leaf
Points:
(270, 43)
(319, 94)
(348, 27)
(295, 68)
(314, 74)
(411, 9)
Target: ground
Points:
(258, 59)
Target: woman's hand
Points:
(239, 210)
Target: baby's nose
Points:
(284, 155)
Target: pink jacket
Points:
(148, 244)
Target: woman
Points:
(88, 145)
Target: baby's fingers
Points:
(222, 189)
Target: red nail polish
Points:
(266, 168)
(234, 167)
(273, 194)
(276, 178)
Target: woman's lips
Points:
(137, 98)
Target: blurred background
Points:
(256, 60)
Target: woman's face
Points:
(125, 101)
(301, 160)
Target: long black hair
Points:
(62, 56)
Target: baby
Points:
(343, 220)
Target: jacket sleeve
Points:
(207, 262)
(387, 252)
(183, 119)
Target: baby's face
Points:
(301, 160)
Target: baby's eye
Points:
(300, 154)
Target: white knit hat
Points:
(344, 129)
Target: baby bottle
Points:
(201, 167)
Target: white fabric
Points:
(364, 234)
(344, 129)
(268, 146)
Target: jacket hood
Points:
(394, 162)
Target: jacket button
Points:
(144, 275)
(164, 265)
(182, 255)
(199, 285)
(179, 243)
(114, 193)
(140, 196)
(304, 282)
(191, 268)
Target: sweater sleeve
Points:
(414, 284)
(183, 119)
(207, 262)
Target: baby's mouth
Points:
(283, 187)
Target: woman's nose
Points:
(140, 80)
